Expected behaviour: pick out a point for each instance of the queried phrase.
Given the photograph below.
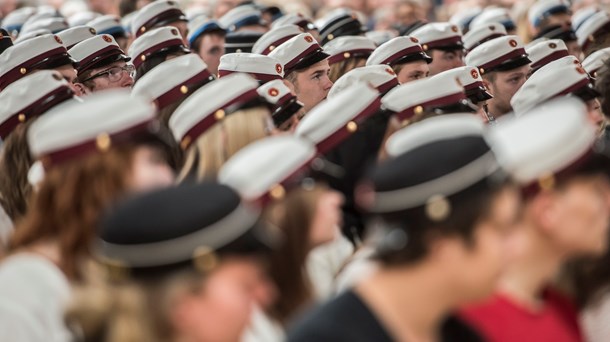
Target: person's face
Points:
(574, 49)
(107, 82)
(69, 74)
(445, 60)
(577, 216)
(149, 170)
(327, 218)
(504, 86)
(123, 41)
(478, 264)
(211, 48)
(413, 71)
(594, 113)
(312, 85)
(221, 310)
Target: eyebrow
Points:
(317, 72)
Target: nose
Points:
(127, 80)
(328, 84)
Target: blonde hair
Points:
(213, 148)
(341, 68)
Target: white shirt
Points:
(33, 295)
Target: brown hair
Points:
(341, 68)
(288, 261)
(212, 149)
(68, 202)
(15, 162)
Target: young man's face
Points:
(445, 60)
(412, 71)
(479, 263)
(312, 84)
(107, 81)
(503, 85)
(576, 216)
(211, 48)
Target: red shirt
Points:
(501, 319)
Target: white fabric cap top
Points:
(533, 147)
(491, 54)
(207, 105)
(54, 25)
(283, 103)
(274, 38)
(438, 35)
(257, 169)
(582, 15)
(397, 50)
(545, 52)
(154, 41)
(94, 50)
(17, 60)
(76, 128)
(380, 37)
(586, 32)
(82, 18)
(548, 82)
(107, 24)
(172, 80)
(493, 15)
(155, 14)
(342, 48)
(596, 61)
(31, 96)
(31, 34)
(419, 134)
(348, 109)
(470, 79)
(75, 35)
(294, 19)
(262, 68)
(14, 20)
(239, 16)
(543, 8)
(380, 77)
(292, 52)
(411, 99)
(482, 33)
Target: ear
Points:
(446, 250)
(543, 211)
(80, 89)
(488, 86)
(291, 86)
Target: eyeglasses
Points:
(114, 74)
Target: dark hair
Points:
(15, 162)
(197, 43)
(153, 61)
(468, 208)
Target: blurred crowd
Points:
(313, 170)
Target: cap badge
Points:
(103, 142)
(219, 114)
(57, 39)
(553, 45)
(512, 43)
(454, 28)
(330, 36)
(425, 47)
(21, 117)
(309, 39)
(474, 73)
(271, 48)
(174, 32)
(186, 141)
(23, 71)
(143, 58)
(92, 30)
(204, 259)
(591, 38)
(184, 89)
(414, 40)
(278, 68)
(143, 29)
(273, 92)
(438, 208)
(482, 71)
(351, 127)
(346, 55)
(107, 38)
(278, 192)
(546, 182)
(418, 110)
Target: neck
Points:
(410, 303)
(494, 110)
(536, 266)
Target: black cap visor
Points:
(309, 60)
(478, 94)
(419, 56)
(512, 64)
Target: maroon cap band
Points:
(276, 44)
(340, 135)
(209, 120)
(456, 40)
(15, 73)
(291, 66)
(578, 85)
(352, 53)
(288, 183)
(258, 76)
(474, 85)
(552, 57)
(87, 62)
(137, 61)
(389, 85)
(485, 39)
(72, 152)
(177, 92)
(161, 17)
(441, 101)
(404, 52)
(495, 62)
(283, 100)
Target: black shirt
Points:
(347, 318)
